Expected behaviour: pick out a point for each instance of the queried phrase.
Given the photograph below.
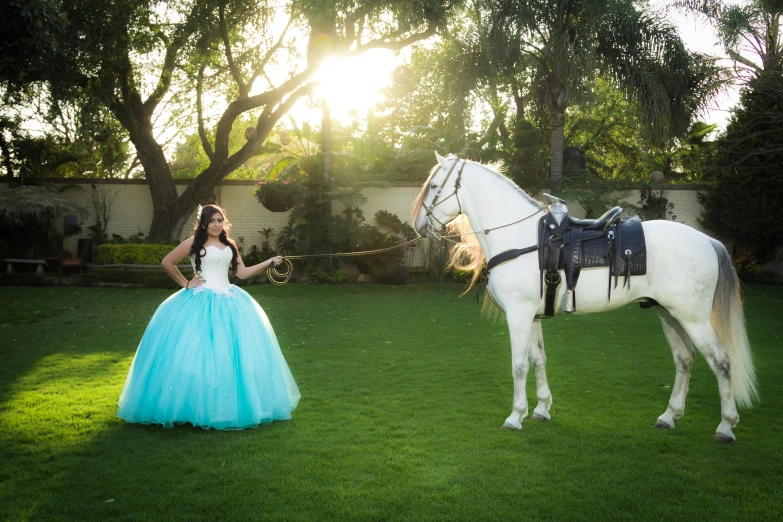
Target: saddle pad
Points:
(630, 238)
(602, 248)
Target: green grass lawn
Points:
(404, 390)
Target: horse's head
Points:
(438, 202)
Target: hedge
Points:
(132, 254)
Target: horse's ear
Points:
(442, 161)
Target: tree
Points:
(29, 41)
(747, 176)
(75, 144)
(608, 129)
(744, 201)
(213, 61)
(568, 43)
(749, 32)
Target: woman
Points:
(209, 356)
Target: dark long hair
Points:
(200, 236)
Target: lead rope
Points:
(279, 277)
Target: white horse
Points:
(689, 275)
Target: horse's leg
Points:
(682, 350)
(538, 361)
(520, 327)
(706, 341)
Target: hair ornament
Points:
(198, 213)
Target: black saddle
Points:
(609, 217)
(588, 243)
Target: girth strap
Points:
(508, 255)
(574, 265)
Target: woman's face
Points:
(215, 225)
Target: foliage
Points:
(132, 254)
(267, 191)
(655, 204)
(77, 140)
(322, 277)
(594, 194)
(30, 30)
(138, 238)
(190, 159)
(553, 50)
(257, 255)
(309, 231)
(435, 93)
(743, 202)
(609, 130)
(749, 31)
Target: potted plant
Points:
(280, 195)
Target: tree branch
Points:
(272, 50)
(741, 59)
(350, 22)
(273, 95)
(200, 115)
(266, 122)
(235, 72)
(394, 46)
(172, 49)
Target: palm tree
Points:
(567, 43)
(750, 33)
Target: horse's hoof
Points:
(509, 426)
(661, 425)
(722, 438)
(539, 418)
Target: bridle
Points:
(431, 219)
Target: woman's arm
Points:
(245, 272)
(169, 264)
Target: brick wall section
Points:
(132, 207)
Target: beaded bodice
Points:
(214, 268)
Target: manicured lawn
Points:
(404, 391)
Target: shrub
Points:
(132, 254)
(323, 277)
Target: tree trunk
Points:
(519, 105)
(556, 103)
(558, 145)
(166, 214)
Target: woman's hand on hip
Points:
(196, 281)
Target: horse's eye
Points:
(433, 186)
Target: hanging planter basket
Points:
(275, 202)
(279, 196)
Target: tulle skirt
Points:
(209, 359)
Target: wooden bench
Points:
(11, 262)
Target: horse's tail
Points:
(728, 321)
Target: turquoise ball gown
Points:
(209, 357)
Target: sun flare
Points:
(352, 86)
